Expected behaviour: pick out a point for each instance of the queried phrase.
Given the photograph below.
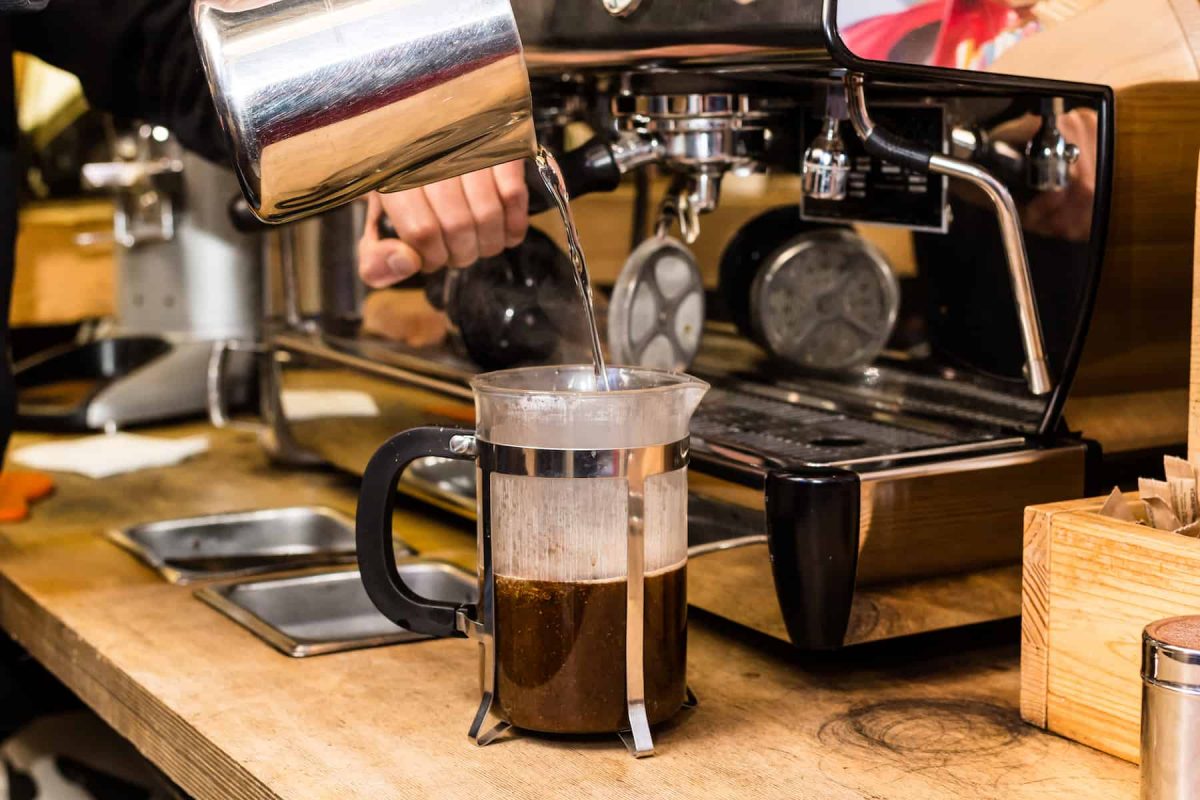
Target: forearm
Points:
(135, 58)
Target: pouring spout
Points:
(691, 395)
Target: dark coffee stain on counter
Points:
(926, 732)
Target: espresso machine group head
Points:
(697, 137)
(891, 334)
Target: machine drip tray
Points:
(316, 614)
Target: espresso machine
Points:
(860, 468)
(186, 280)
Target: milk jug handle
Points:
(376, 552)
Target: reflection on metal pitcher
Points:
(325, 100)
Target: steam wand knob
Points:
(1049, 156)
(826, 166)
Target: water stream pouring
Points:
(552, 176)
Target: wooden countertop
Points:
(227, 717)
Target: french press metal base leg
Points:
(488, 727)
(637, 738)
(646, 748)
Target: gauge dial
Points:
(825, 300)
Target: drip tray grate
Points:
(787, 432)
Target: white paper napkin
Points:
(107, 455)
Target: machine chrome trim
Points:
(971, 447)
(621, 8)
(1011, 458)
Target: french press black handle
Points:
(376, 553)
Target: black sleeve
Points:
(135, 58)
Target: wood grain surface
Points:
(1130, 421)
(1034, 586)
(227, 717)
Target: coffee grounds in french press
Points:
(568, 674)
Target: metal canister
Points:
(1171, 709)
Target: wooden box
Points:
(1090, 585)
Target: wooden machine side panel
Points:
(960, 519)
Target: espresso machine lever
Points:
(884, 144)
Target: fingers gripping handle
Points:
(376, 552)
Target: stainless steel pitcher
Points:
(325, 100)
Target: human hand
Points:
(455, 222)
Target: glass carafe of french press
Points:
(582, 548)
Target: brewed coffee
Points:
(561, 652)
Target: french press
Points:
(582, 617)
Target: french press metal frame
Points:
(377, 559)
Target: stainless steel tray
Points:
(242, 544)
(315, 614)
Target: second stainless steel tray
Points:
(315, 614)
(242, 544)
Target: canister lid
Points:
(1171, 653)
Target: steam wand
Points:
(884, 144)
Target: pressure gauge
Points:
(825, 300)
(656, 316)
